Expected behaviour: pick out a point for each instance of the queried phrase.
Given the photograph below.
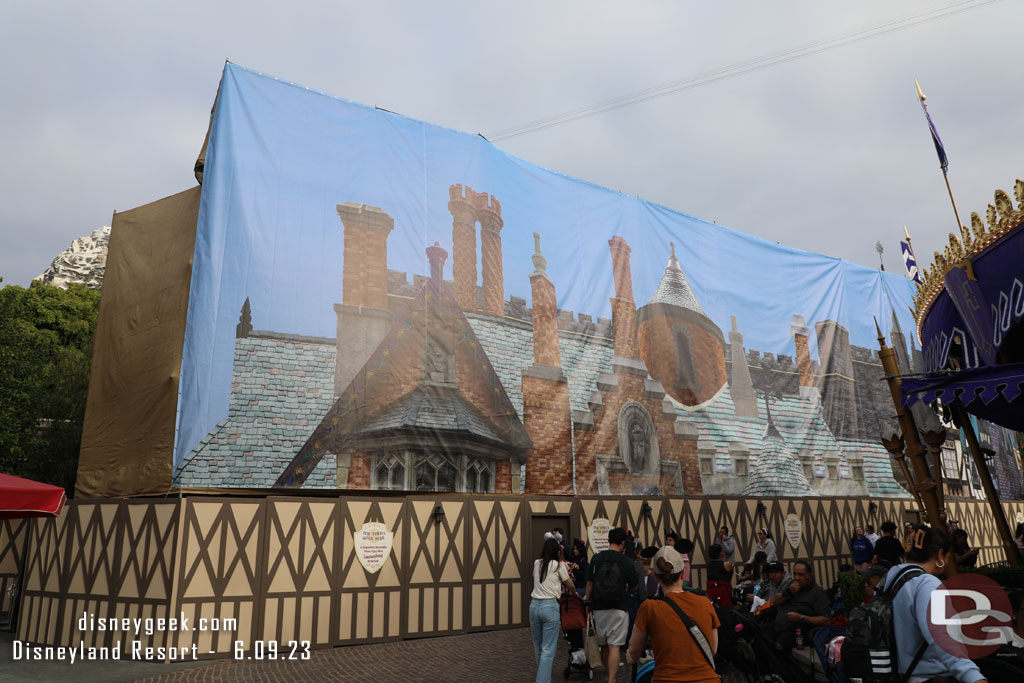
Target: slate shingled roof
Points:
(282, 386)
(509, 345)
(777, 471)
(878, 475)
(436, 408)
(800, 424)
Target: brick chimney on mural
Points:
(546, 413)
(801, 340)
(462, 207)
(488, 214)
(363, 317)
(623, 306)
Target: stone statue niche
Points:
(638, 443)
(437, 362)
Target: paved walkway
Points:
(499, 656)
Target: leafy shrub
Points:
(1007, 577)
(852, 591)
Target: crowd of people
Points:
(642, 599)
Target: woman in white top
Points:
(549, 573)
(765, 544)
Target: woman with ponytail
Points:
(549, 574)
(927, 558)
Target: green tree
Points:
(46, 336)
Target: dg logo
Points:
(969, 616)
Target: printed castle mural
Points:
(435, 385)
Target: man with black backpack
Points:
(888, 639)
(611, 574)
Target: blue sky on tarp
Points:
(281, 157)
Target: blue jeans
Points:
(545, 622)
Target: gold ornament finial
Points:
(978, 227)
(919, 93)
(965, 238)
(1003, 205)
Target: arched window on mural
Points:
(389, 473)
(479, 476)
(686, 369)
(436, 473)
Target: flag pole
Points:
(943, 162)
(959, 225)
(909, 245)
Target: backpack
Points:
(609, 585)
(869, 652)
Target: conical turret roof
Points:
(674, 288)
(777, 471)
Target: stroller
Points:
(744, 647)
(574, 630)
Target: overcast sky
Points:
(105, 104)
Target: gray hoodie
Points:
(771, 589)
(728, 547)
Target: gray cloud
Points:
(109, 103)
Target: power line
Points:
(744, 67)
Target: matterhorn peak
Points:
(82, 263)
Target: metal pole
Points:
(1003, 526)
(956, 213)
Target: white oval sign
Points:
(373, 545)
(793, 530)
(598, 534)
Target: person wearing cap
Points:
(562, 541)
(777, 583)
(677, 655)
(651, 586)
(611, 618)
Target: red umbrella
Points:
(26, 498)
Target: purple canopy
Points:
(993, 393)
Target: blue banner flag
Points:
(939, 149)
(908, 260)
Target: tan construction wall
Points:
(285, 567)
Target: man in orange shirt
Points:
(681, 653)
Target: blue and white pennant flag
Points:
(910, 262)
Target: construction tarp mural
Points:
(382, 303)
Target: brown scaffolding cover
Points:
(128, 436)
